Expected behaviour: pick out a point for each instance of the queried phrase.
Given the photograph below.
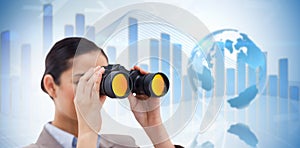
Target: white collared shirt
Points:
(64, 138)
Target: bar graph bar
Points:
(283, 78)
(265, 89)
(187, 89)
(47, 27)
(69, 30)
(294, 93)
(133, 38)
(80, 23)
(90, 32)
(241, 67)
(273, 83)
(177, 72)
(251, 76)
(111, 53)
(16, 103)
(230, 87)
(165, 55)
(26, 71)
(154, 55)
(177, 58)
(251, 109)
(5, 72)
(219, 69)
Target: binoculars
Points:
(117, 82)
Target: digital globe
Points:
(226, 64)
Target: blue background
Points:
(272, 24)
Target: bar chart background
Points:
(25, 109)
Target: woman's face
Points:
(69, 79)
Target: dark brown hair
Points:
(57, 60)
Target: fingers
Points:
(85, 78)
(98, 79)
(143, 105)
(89, 73)
(96, 87)
(140, 69)
(90, 82)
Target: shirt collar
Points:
(64, 138)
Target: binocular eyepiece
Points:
(117, 82)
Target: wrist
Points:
(153, 122)
(84, 128)
(158, 135)
(87, 139)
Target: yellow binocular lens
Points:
(158, 85)
(119, 85)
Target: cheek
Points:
(66, 104)
(69, 92)
(67, 96)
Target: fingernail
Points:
(96, 68)
(102, 69)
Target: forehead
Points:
(85, 61)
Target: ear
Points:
(50, 85)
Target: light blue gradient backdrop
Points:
(272, 24)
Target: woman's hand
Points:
(88, 104)
(146, 111)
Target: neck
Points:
(65, 123)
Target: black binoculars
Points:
(117, 82)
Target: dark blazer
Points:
(45, 140)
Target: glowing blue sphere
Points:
(228, 56)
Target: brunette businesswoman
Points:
(76, 86)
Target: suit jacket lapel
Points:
(106, 140)
(45, 139)
(117, 141)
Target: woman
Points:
(72, 78)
